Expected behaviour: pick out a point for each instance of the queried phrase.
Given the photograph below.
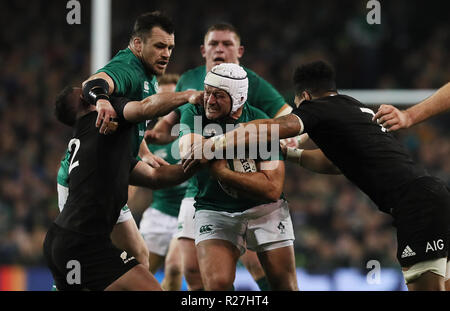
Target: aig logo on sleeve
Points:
(435, 245)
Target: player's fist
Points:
(196, 97)
(392, 118)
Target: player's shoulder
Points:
(255, 113)
(124, 57)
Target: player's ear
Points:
(137, 43)
(240, 51)
(202, 51)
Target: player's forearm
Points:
(156, 178)
(252, 185)
(161, 104)
(435, 104)
(263, 130)
(161, 133)
(169, 176)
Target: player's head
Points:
(68, 104)
(226, 87)
(313, 80)
(167, 82)
(222, 44)
(152, 40)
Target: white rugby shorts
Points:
(186, 219)
(157, 229)
(260, 228)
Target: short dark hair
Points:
(65, 110)
(145, 23)
(316, 78)
(168, 78)
(223, 27)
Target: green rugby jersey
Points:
(261, 94)
(210, 194)
(63, 172)
(132, 81)
(168, 200)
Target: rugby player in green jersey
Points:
(132, 74)
(222, 43)
(256, 217)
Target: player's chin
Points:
(213, 115)
(159, 70)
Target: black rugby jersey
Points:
(373, 159)
(99, 173)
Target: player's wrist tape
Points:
(294, 155)
(95, 89)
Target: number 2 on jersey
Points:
(76, 142)
(369, 111)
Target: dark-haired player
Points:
(131, 73)
(373, 160)
(101, 167)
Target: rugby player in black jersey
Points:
(101, 168)
(372, 159)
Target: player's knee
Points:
(172, 270)
(218, 281)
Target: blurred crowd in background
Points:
(335, 224)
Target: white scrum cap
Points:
(231, 78)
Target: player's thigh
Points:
(219, 238)
(139, 198)
(217, 262)
(422, 219)
(136, 279)
(126, 236)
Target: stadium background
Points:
(337, 229)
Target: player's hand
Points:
(107, 117)
(194, 157)
(392, 118)
(151, 136)
(196, 98)
(283, 147)
(154, 161)
(217, 166)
